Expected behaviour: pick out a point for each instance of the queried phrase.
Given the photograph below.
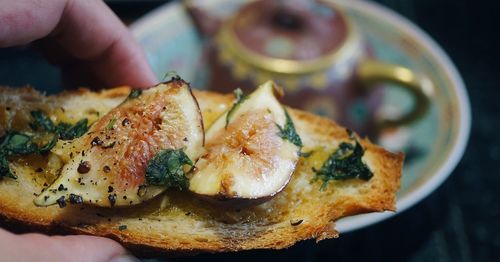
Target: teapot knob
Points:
(288, 20)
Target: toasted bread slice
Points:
(179, 222)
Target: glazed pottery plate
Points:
(433, 145)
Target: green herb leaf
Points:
(350, 133)
(5, 169)
(135, 93)
(167, 169)
(240, 97)
(62, 127)
(171, 75)
(345, 163)
(47, 147)
(306, 154)
(15, 143)
(110, 124)
(288, 132)
(68, 132)
(43, 121)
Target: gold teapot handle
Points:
(420, 87)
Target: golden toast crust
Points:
(179, 223)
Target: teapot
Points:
(315, 52)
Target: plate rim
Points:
(401, 23)
(455, 154)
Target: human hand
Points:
(38, 247)
(83, 37)
(92, 47)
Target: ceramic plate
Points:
(433, 146)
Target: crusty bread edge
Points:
(384, 200)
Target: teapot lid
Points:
(298, 36)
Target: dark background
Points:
(458, 222)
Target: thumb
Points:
(38, 247)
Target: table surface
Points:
(458, 222)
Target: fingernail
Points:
(124, 258)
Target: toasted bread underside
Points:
(178, 222)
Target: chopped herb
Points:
(62, 127)
(240, 97)
(135, 93)
(15, 143)
(288, 132)
(345, 163)
(111, 123)
(167, 169)
(306, 154)
(68, 132)
(46, 148)
(350, 133)
(43, 121)
(122, 227)
(64, 130)
(5, 169)
(171, 75)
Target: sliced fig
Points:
(251, 150)
(108, 165)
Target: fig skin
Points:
(135, 140)
(242, 202)
(248, 160)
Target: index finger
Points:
(88, 33)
